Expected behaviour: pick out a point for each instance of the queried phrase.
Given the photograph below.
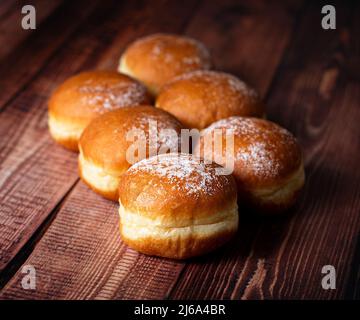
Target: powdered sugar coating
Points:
(119, 138)
(162, 48)
(262, 148)
(150, 124)
(110, 96)
(187, 173)
(199, 98)
(216, 79)
(159, 57)
(261, 159)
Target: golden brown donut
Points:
(157, 58)
(106, 146)
(87, 95)
(200, 98)
(176, 206)
(268, 165)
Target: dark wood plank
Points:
(6, 6)
(81, 255)
(316, 95)
(36, 173)
(78, 261)
(12, 34)
(32, 175)
(25, 61)
(247, 38)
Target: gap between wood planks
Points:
(12, 33)
(14, 123)
(258, 274)
(22, 255)
(353, 290)
(265, 89)
(256, 281)
(34, 53)
(255, 71)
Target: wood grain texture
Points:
(247, 38)
(33, 52)
(37, 173)
(32, 176)
(82, 257)
(315, 95)
(311, 80)
(121, 273)
(12, 33)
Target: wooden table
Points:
(310, 79)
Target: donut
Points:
(156, 59)
(202, 97)
(266, 161)
(176, 206)
(87, 95)
(112, 142)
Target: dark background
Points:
(310, 80)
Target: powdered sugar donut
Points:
(156, 59)
(200, 98)
(87, 95)
(267, 159)
(177, 206)
(112, 142)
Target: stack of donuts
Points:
(175, 203)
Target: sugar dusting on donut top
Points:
(187, 174)
(158, 125)
(141, 122)
(266, 149)
(112, 95)
(216, 79)
(162, 46)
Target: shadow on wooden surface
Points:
(310, 80)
